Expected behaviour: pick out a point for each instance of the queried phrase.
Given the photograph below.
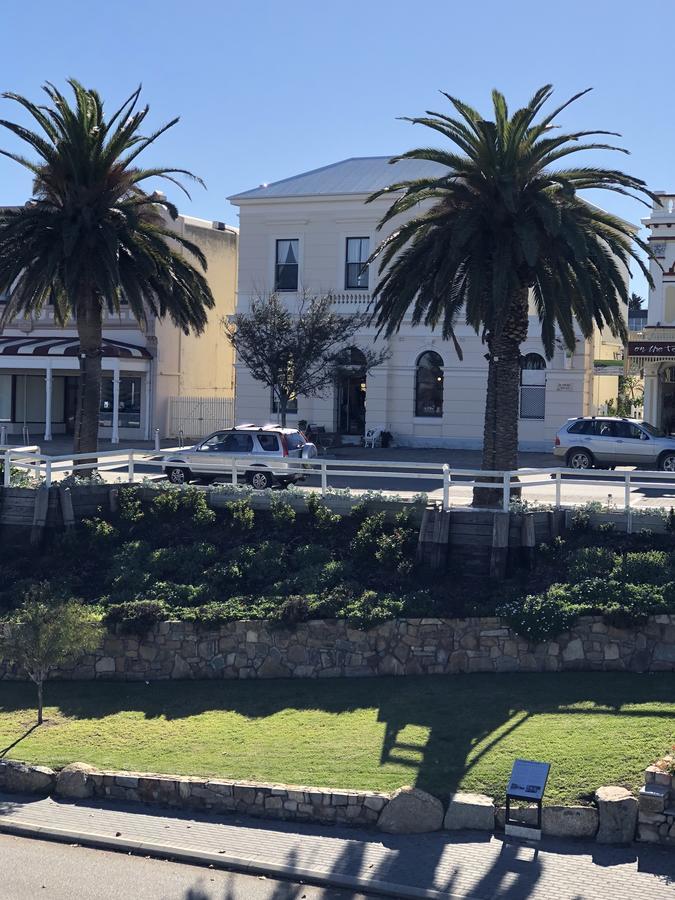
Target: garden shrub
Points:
(281, 511)
(320, 516)
(591, 562)
(135, 617)
(241, 514)
(649, 567)
(371, 608)
(541, 617)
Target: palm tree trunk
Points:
(89, 331)
(500, 430)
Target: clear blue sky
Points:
(269, 89)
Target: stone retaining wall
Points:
(405, 811)
(656, 807)
(332, 648)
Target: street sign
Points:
(527, 782)
(528, 779)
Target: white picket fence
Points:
(196, 417)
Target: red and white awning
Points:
(67, 346)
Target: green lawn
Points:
(437, 732)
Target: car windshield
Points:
(650, 429)
(295, 441)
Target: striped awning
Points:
(67, 346)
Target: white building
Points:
(651, 350)
(151, 378)
(312, 232)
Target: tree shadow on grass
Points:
(23, 737)
(456, 720)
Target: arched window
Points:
(532, 386)
(429, 386)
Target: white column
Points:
(48, 401)
(651, 410)
(115, 439)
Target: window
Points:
(429, 386)
(286, 268)
(129, 415)
(215, 444)
(630, 432)
(5, 398)
(356, 272)
(583, 426)
(291, 406)
(532, 387)
(295, 441)
(238, 442)
(268, 442)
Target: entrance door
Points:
(351, 395)
(70, 402)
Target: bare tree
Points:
(296, 352)
(44, 633)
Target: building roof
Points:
(357, 175)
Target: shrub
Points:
(180, 512)
(650, 567)
(241, 515)
(135, 617)
(130, 505)
(591, 562)
(371, 608)
(365, 542)
(283, 514)
(184, 564)
(541, 617)
(320, 516)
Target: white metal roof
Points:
(358, 175)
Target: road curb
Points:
(223, 860)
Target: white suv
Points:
(274, 453)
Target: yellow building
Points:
(153, 379)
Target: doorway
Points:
(351, 393)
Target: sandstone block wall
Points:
(331, 648)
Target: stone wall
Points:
(332, 648)
(404, 811)
(656, 804)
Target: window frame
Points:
(438, 366)
(533, 388)
(277, 265)
(361, 263)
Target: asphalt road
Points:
(49, 871)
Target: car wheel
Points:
(260, 480)
(667, 462)
(178, 475)
(579, 459)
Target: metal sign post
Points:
(527, 782)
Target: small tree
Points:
(296, 353)
(43, 634)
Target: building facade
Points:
(149, 376)
(312, 233)
(651, 347)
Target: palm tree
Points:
(91, 235)
(500, 227)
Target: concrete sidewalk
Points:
(440, 865)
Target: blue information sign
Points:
(528, 779)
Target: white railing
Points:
(436, 477)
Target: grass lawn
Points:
(436, 732)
